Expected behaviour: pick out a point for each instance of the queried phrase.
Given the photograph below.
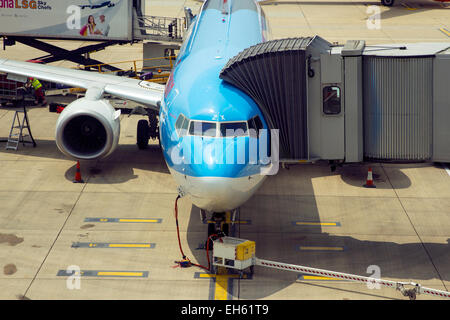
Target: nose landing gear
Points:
(220, 224)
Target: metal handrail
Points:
(163, 69)
(165, 27)
(99, 66)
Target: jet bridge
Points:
(353, 102)
(274, 75)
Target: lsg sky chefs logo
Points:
(25, 4)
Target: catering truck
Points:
(67, 19)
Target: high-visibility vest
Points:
(36, 84)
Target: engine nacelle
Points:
(88, 129)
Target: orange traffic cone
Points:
(369, 181)
(78, 174)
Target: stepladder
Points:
(20, 130)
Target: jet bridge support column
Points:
(354, 142)
(441, 107)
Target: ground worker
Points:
(38, 91)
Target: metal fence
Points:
(8, 88)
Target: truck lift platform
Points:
(239, 255)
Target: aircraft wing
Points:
(144, 92)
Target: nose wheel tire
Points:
(387, 3)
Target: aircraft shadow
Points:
(118, 168)
(121, 166)
(270, 220)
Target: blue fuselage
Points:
(214, 169)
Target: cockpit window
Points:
(233, 129)
(204, 129)
(251, 128)
(180, 121)
(182, 125)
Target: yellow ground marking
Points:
(138, 220)
(124, 245)
(120, 274)
(221, 292)
(221, 284)
(445, 31)
(322, 248)
(228, 276)
(316, 223)
(407, 7)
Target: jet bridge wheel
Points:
(143, 134)
(387, 3)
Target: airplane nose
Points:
(217, 170)
(219, 176)
(216, 158)
(219, 194)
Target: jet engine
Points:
(88, 129)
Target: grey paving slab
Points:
(158, 261)
(23, 251)
(38, 176)
(46, 150)
(132, 206)
(312, 214)
(399, 258)
(440, 254)
(26, 210)
(338, 21)
(321, 290)
(13, 289)
(119, 289)
(423, 180)
(317, 179)
(127, 177)
(430, 217)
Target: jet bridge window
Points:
(182, 125)
(204, 129)
(233, 129)
(331, 100)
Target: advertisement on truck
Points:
(67, 19)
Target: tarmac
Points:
(118, 227)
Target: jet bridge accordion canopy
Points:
(274, 75)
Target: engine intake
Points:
(88, 129)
